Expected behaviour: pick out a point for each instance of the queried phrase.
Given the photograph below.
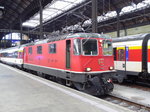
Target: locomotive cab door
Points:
(68, 53)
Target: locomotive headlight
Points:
(111, 68)
(100, 41)
(88, 69)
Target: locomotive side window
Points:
(107, 48)
(30, 50)
(77, 46)
(39, 49)
(89, 47)
(52, 48)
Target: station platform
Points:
(24, 92)
(132, 94)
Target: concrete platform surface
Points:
(132, 94)
(23, 92)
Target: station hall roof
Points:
(72, 13)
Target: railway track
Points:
(138, 84)
(126, 103)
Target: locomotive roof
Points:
(67, 36)
(131, 37)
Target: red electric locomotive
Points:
(84, 60)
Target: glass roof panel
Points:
(78, 1)
(29, 24)
(111, 14)
(48, 12)
(126, 9)
(33, 21)
(52, 9)
(71, 1)
(68, 7)
(147, 1)
(45, 16)
(36, 17)
(59, 4)
(142, 5)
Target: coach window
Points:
(77, 46)
(121, 54)
(39, 49)
(15, 54)
(107, 48)
(30, 50)
(52, 48)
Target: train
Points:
(132, 57)
(82, 60)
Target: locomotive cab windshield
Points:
(86, 47)
(89, 47)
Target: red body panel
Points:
(58, 60)
(135, 55)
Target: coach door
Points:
(68, 47)
(122, 58)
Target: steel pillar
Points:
(10, 35)
(41, 19)
(118, 23)
(125, 30)
(5, 43)
(94, 16)
(21, 31)
(0, 43)
(11, 39)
